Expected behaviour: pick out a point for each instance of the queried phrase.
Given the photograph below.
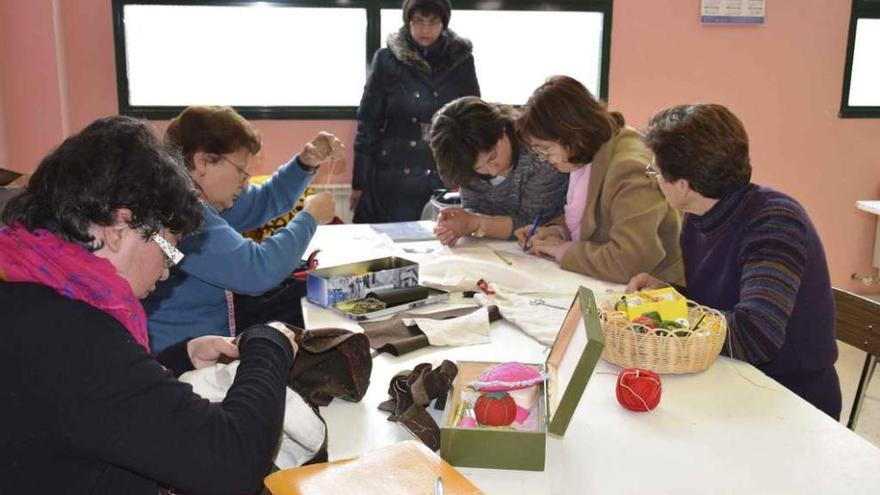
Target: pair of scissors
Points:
(310, 264)
(539, 301)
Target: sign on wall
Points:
(732, 12)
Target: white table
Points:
(873, 207)
(730, 429)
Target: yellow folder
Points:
(404, 468)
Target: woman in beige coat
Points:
(616, 222)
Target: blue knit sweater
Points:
(757, 257)
(192, 302)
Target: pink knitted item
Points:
(508, 376)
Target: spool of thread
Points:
(638, 389)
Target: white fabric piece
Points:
(303, 432)
(457, 273)
(539, 321)
(470, 329)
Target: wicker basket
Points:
(629, 344)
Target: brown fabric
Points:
(331, 362)
(395, 338)
(412, 391)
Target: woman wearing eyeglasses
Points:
(218, 145)
(424, 66)
(86, 407)
(616, 222)
(749, 251)
(503, 185)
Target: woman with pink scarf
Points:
(87, 408)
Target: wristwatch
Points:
(481, 228)
(308, 168)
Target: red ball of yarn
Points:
(638, 389)
(495, 409)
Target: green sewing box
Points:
(569, 366)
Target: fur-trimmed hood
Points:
(457, 50)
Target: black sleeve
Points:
(371, 118)
(116, 403)
(473, 85)
(176, 358)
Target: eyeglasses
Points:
(173, 256)
(651, 171)
(541, 154)
(244, 173)
(425, 24)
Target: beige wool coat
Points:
(627, 227)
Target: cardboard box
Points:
(327, 286)
(666, 302)
(569, 366)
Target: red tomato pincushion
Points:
(495, 409)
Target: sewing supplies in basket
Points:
(638, 389)
(662, 331)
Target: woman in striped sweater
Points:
(748, 251)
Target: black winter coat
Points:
(393, 164)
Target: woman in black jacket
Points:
(86, 407)
(425, 66)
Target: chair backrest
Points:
(858, 321)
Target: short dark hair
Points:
(439, 8)
(563, 110)
(464, 128)
(115, 162)
(211, 129)
(705, 144)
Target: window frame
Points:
(861, 9)
(372, 44)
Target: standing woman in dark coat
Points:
(425, 66)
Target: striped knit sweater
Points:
(531, 187)
(757, 257)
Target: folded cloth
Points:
(457, 273)
(331, 362)
(470, 329)
(411, 391)
(304, 432)
(539, 321)
(395, 337)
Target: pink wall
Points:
(783, 79)
(31, 87)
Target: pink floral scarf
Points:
(75, 273)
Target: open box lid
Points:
(572, 359)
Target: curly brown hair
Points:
(115, 162)
(705, 144)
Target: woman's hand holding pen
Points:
(553, 247)
(541, 234)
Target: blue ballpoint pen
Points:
(532, 231)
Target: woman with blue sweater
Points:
(748, 251)
(217, 145)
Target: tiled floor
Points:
(849, 368)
